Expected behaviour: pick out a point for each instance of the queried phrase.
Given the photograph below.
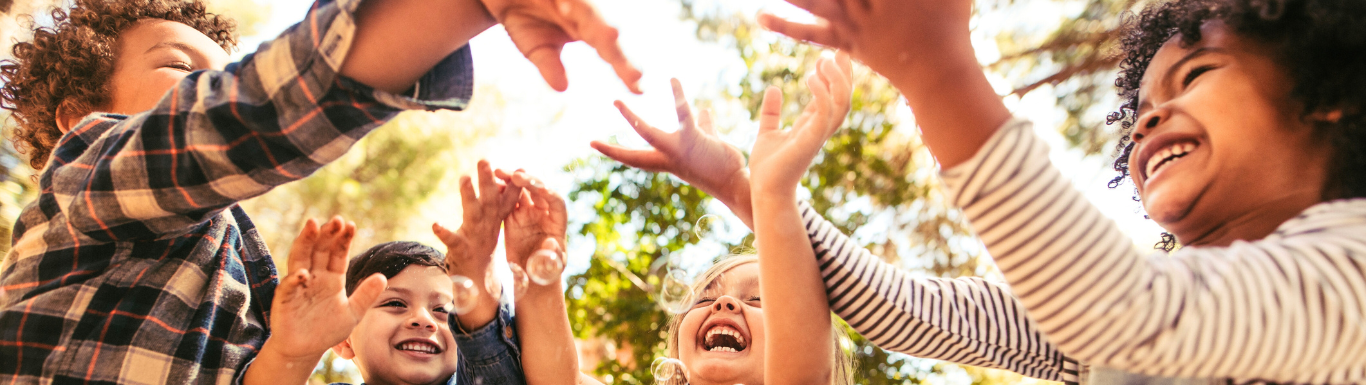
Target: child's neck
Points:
(1252, 224)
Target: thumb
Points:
(769, 111)
(366, 293)
(292, 284)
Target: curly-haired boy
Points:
(135, 264)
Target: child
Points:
(136, 264)
(730, 336)
(1246, 148)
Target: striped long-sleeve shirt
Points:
(135, 265)
(1288, 308)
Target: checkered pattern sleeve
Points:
(219, 137)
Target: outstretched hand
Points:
(541, 28)
(884, 34)
(694, 153)
(540, 216)
(311, 311)
(469, 249)
(780, 158)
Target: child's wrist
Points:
(273, 352)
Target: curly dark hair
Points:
(390, 258)
(1321, 44)
(70, 63)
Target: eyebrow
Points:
(171, 44)
(1166, 77)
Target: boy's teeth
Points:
(1175, 150)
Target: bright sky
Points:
(544, 130)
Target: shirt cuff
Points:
(491, 343)
(447, 86)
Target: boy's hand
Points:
(694, 153)
(311, 312)
(886, 35)
(541, 28)
(469, 250)
(780, 158)
(540, 215)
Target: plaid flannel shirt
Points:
(135, 265)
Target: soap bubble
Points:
(544, 266)
(519, 281)
(465, 296)
(675, 291)
(710, 223)
(666, 369)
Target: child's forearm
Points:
(954, 105)
(796, 313)
(548, 352)
(397, 41)
(271, 368)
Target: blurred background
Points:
(1051, 60)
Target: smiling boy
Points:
(136, 264)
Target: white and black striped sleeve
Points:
(967, 320)
(1287, 308)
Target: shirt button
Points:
(507, 332)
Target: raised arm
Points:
(1277, 309)
(539, 225)
(966, 320)
(795, 305)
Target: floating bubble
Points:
(519, 281)
(544, 266)
(465, 296)
(709, 223)
(675, 292)
(667, 369)
(491, 283)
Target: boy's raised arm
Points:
(539, 225)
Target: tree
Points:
(875, 176)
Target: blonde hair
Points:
(842, 370)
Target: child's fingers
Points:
(589, 26)
(468, 198)
(546, 58)
(826, 9)
(328, 237)
(819, 34)
(487, 187)
(507, 200)
(444, 234)
(652, 135)
(707, 122)
(291, 284)
(342, 249)
(685, 118)
(823, 104)
(300, 253)
(557, 208)
(365, 294)
(846, 65)
(837, 79)
(769, 111)
(648, 160)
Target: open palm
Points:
(540, 215)
(311, 311)
(780, 158)
(694, 153)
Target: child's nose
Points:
(423, 319)
(725, 303)
(1148, 122)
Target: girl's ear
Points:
(66, 117)
(343, 349)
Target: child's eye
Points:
(704, 301)
(441, 309)
(392, 303)
(179, 65)
(1195, 73)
